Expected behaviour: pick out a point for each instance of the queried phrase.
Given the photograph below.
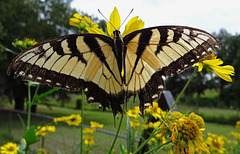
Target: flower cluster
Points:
(24, 44)
(216, 143)
(85, 24)
(72, 120)
(43, 131)
(238, 124)
(9, 148)
(211, 63)
(134, 113)
(82, 22)
(88, 134)
(184, 132)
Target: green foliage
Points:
(30, 137)
(129, 135)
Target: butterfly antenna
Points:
(106, 18)
(127, 17)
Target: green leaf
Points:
(22, 146)
(37, 97)
(30, 136)
(129, 135)
(22, 122)
(122, 150)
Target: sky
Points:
(209, 15)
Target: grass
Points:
(65, 135)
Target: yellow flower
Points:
(198, 120)
(88, 140)
(186, 136)
(133, 113)
(9, 148)
(211, 63)
(24, 44)
(154, 110)
(42, 151)
(88, 130)
(236, 135)
(151, 125)
(135, 123)
(72, 120)
(43, 131)
(216, 143)
(238, 124)
(133, 25)
(96, 124)
(59, 119)
(82, 22)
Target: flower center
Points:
(188, 129)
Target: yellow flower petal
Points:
(115, 21)
(95, 30)
(191, 147)
(76, 15)
(133, 25)
(213, 62)
(224, 72)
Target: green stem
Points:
(184, 89)
(158, 147)
(30, 102)
(29, 105)
(81, 144)
(145, 142)
(116, 136)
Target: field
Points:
(66, 135)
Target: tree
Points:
(36, 19)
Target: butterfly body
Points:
(112, 70)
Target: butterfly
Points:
(110, 71)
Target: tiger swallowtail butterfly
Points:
(110, 71)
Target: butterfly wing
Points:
(162, 51)
(74, 62)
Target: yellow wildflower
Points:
(43, 131)
(238, 124)
(96, 124)
(216, 143)
(186, 136)
(198, 120)
(88, 140)
(133, 25)
(9, 148)
(24, 44)
(82, 22)
(236, 136)
(73, 120)
(135, 123)
(154, 110)
(211, 63)
(151, 125)
(88, 130)
(59, 119)
(42, 151)
(133, 113)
